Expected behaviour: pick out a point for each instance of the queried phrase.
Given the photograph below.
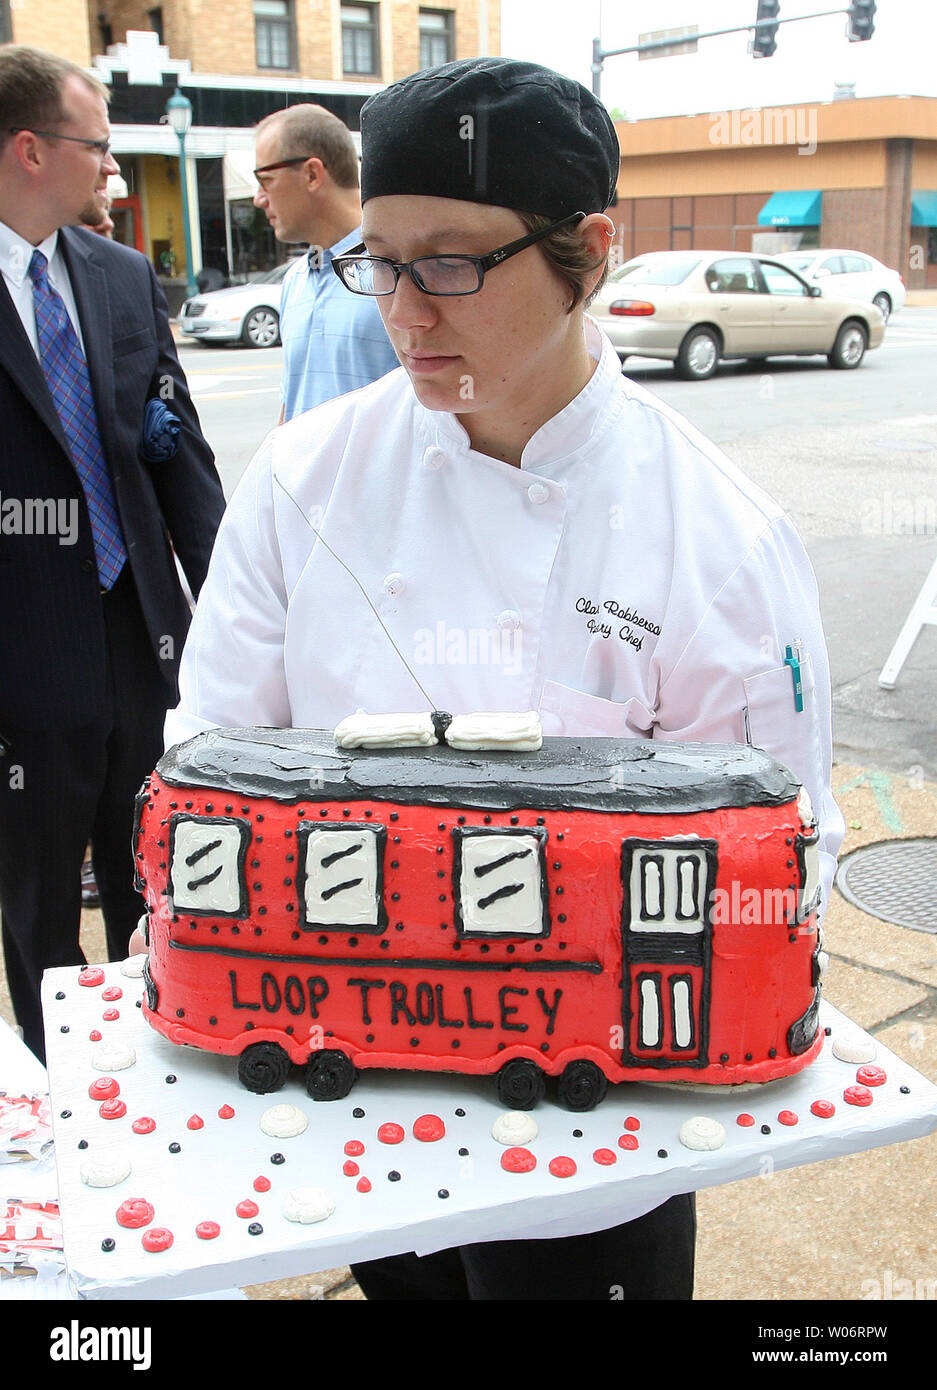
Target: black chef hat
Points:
(491, 130)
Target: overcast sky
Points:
(811, 56)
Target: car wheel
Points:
(849, 348)
(699, 353)
(261, 328)
(883, 303)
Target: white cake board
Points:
(216, 1165)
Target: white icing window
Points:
(650, 1011)
(668, 888)
(206, 868)
(342, 880)
(808, 852)
(500, 884)
(682, 1012)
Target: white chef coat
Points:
(626, 580)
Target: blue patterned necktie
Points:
(66, 373)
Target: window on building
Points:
(360, 47)
(155, 16)
(6, 27)
(273, 33)
(437, 38)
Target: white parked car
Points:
(241, 313)
(698, 308)
(851, 274)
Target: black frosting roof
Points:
(600, 774)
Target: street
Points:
(852, 456)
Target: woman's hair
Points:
(568, 255)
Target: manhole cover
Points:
(895, 881)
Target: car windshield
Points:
(655, 272)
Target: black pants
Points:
(649, 1258)
(61, 788)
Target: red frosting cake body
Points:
(557, 914)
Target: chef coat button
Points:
(434, 459)
(509, 620)
(393, 583)
(538, 492)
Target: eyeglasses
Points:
(442, 275)
(280, 164)
(102, 147)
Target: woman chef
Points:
(507, 523)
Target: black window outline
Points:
(432, 37)
(380, 835)
(463, 832)
(271, 27)
(351, 28)
(244, 827)
(706, 851)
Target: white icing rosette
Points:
(284, 1121)
(133, 966)
(113, 1056)
(854, 1047)
(307, 1205)
(104, 1167)
(514, 1127)
(702, 1134)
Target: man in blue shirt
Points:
(333, 341)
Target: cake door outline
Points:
(666, 951)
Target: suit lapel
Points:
(18, 358)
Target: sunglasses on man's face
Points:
(280, 164)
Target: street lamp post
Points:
(179, 116)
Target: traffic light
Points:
(765, 41)
(861, 20)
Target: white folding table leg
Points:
(923, 613)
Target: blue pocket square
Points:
(160, 433)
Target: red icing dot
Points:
(207, 1230)
(350, 1168)
(105, 1088)
(632, 1122)
(428, 1128)
(562, 1167)
(226, 1113)
(605, 1156)
(787, 1117)
(247, 1209)
(871, 1076)
(195, 1122)
(261, 1184)
(363, 1185)
(94, 1035)
(627, 1141)
(135, 1212)
(112, 992)
(110, 1014)
(391, 1134)
(823, 1108)
(144, 1125)
(92, 976)
(112, 1109)
(518, 1160)
(857, 1095)
(157, 1239)
(745, 1119)
(354, 1148)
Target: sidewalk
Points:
(848, 1228)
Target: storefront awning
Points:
(239, 181)
(795, 208)
(924, 209)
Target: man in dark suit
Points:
(92, 614)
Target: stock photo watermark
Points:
(777, 125)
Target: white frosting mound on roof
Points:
(362, 730)
(480, 731)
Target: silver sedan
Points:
(697, 308)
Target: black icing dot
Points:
(175, 1148)
(108, 1244)
(393, 1175)
(443, 1192)
(460, 1112)
(463, 1153)
(358, 1113)
(661, 1153)
(82, 1143)
(277, 1158)
(61, 994)
(577, 1133)
(766, 1129)
(255, 1229)
(65, 1028)
(905, 1090)
(827, 1031)
(170, 1079)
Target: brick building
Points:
(859, 173)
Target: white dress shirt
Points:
(15, 255)
(626, 580)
